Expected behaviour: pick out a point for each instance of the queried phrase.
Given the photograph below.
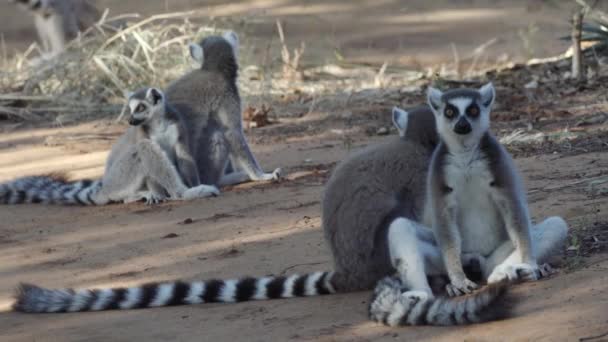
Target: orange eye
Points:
(449, 112)
(473, 111)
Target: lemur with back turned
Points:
(210, 102)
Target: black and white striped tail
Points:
(393, 306)
(34, 299)
(50, 189)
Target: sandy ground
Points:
(254, 229)
(414, 32)
(261, 229)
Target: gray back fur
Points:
(200, 96)
(366, 192)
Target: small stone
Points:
(532, 85)
(170, 236)
(382, 131)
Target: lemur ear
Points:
(154, 96)
(488, 93)
(197, 53)
(129, 94)
(433, 96)
(400, 117)
(233, 39)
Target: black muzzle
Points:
(462, 126)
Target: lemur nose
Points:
(134, 122)
(462, 126)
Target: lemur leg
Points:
(413, 257)
(548, 237)
(231, 118)
(218, 157)
(161, 170)
(234, 178)
(122, 179)
(244, 158)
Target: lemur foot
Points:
(152, 199)
(461, 287)
(272, 176)
(515, 273)
(546, 270)
(200, 191)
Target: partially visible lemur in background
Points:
(364, 196)
(476, 206)
(150, 161)
(59, 21)
(210, 102)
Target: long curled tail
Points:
(34, 299)
(393, 307)
(51, 189)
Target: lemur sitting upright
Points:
(150, 161)
(477, 208)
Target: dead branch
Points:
(291, 64)
(577, 61)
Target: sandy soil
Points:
(255, 229)
(261, 229)
(413, 33)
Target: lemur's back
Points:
(371, 187)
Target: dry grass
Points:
(100, 67)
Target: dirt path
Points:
(256, 230)
(415, 33)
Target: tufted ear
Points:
(233, 39)
(400, 118)
(433, 97)
(197, 53)
(154, 96)
(488, 94)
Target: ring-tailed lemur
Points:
(59, 21)
(150, 161)
(363, 197)
(210, 102)
(475, 205)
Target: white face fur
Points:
(142, 109)
(197, 53)
(462, 116)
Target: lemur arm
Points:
(509, 196)
(186, 163)
(448, 237)
(517, 222)
(230, 117)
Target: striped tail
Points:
(393, 307)
(51, 189)
(34, 299)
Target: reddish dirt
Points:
(260, 229)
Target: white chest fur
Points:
(166, 137)
(479, 220)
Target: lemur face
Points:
(462, 114)
(144, 105)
